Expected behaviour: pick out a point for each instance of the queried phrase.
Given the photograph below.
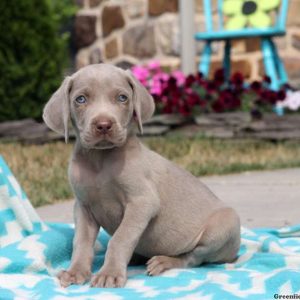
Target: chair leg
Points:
(269, 62)
(226, 61)
(204, 64)
(279, 66)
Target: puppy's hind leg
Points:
(161, 263)
(219, 243)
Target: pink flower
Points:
(180, 77)
(153, 65)
(158, 83)
(156, 89)
(160, 77)
(141, 73)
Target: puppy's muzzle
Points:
(104, 132)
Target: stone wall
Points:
(230, 125)
(127, 32)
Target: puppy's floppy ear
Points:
(142, 101)
(57, 110)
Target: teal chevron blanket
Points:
(32, 252)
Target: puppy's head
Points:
(102, 101)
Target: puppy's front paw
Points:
(109, 278)
(73, 276)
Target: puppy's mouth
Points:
(104, 141)
(98, 143)
(104, 144)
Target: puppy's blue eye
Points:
(80, 100)
(122, 98)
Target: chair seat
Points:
(237, 34)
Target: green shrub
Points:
(33, 54)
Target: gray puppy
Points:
(150, 206)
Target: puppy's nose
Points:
(103, 126)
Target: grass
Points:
(42, 169)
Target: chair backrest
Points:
(280, 22)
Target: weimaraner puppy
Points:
(149, 206)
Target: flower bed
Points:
(193, 94)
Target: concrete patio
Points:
(262, 199)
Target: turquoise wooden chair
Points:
(245, 19)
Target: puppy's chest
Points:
(102, 194)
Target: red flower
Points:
(156, 98)
(255, 86)
(189, 81)
(202, 103)
(172, 82)
(265, 95)
(281, 94)
(268, 96)
(175, 94)
(219, 76)
(167, 109)
(237, 79)
(208, 97)
(218, 106)
(192, 99)
(199, 75)
(273, 97)
(184, 110)
(199, 78)
(236, 103)
(211, 86)
(175, 101)
(267, 79)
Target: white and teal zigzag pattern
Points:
(31, 253)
